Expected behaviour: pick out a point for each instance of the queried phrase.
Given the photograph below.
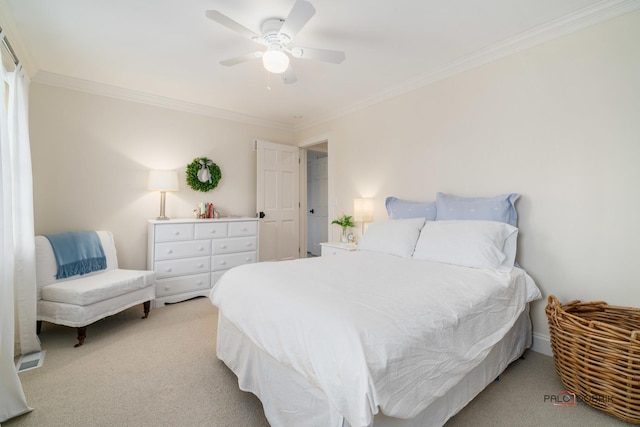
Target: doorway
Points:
(317, 198)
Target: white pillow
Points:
(396, 237)
(477, 244)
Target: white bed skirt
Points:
(289, 399)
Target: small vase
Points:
(343, 235)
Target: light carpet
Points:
(162, 371)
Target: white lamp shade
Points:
(163, 180)
(275, 61)
(363, 210)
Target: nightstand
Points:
(336, 248)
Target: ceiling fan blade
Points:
(289, 77)
(300, 14)
(231, 24)
(240, 59)
(332, 56)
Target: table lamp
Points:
(163, 181)
(362, 212)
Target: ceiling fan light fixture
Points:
(275, 61)
(276, 38)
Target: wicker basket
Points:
(596, 352)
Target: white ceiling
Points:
(168, 51)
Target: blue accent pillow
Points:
(500, 208)
(404, 209)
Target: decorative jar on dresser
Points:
(190, 255)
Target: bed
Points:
(405, 331)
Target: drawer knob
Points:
(200, 265)
(176, 233)
(223, 246)
(168, 270)
(247, 259)
(166, 288)
(169, 251)
(249, 243)
(201, 249)
(223, 263)
(213, 231)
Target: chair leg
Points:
(38, 327)
(82, 334)
(147, 307)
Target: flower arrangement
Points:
(344, 221)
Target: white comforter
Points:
(373, 330)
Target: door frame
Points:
(305, 145)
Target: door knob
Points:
(261, 214)
(312, 211)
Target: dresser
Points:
(190, 255)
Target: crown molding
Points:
(594, 14)
(73, 83)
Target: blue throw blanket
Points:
(77, 252)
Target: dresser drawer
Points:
(237, 244)
(215, 276)
(227, 261)
(173, 250)
(243, 228)
(178, 285)
(211, 230)
(174, 232)
(181, 267)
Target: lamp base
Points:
(163, 196)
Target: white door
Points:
(278, 200)
(317, 209)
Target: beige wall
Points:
(559, 124)
(91, 155)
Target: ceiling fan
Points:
(277, 37)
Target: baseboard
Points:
(541, 344)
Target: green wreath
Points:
(203, 175)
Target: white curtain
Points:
(17, 250)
